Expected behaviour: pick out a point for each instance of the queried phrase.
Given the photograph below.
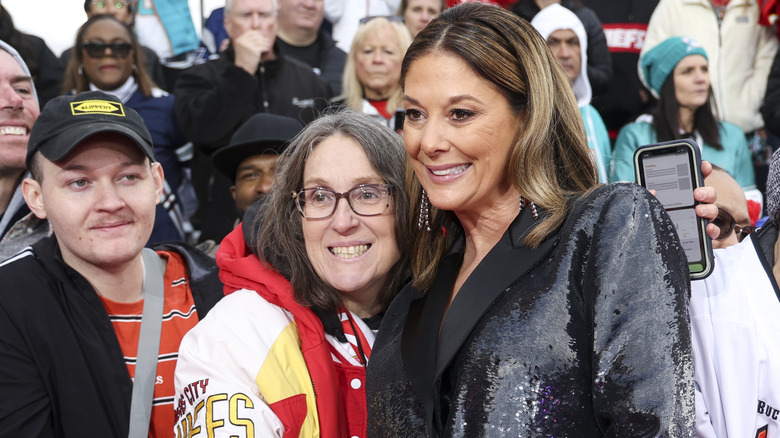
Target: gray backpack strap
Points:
(148, 346)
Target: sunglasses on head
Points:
(726, 223)
(98, 50)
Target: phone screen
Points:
(671, 172)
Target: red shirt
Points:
(179, 316)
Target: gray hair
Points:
(278, 238)
(11, 51)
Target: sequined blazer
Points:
(585, 336)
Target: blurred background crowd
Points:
(197, 70)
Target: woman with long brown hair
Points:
(542, 303)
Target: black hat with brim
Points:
(261, 134)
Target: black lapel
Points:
(424, 354)
(421, 331)
(508, 261)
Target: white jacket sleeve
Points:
(216, 379)
(704, 427)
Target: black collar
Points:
(425, 351)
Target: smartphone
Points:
(673, 170)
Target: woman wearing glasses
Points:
(107, 57)
(370, 79)
(309, 279)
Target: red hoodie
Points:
(240, 269)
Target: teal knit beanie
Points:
(659, 62)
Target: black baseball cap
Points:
(262, 133)
(66, 121)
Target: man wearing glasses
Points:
(733, 218)
(735, 321)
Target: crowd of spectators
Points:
(297, 58)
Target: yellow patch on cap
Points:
(97, 107)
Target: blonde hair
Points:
(549, 161)
(352, 87)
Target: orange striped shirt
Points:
(179, 316)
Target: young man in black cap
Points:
(250, 158)
(88, 309)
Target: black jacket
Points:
(599, 61)
(46, 71)
(585, 336)
(62, 372)
(764, 240)
(331, 60)
(213, 99)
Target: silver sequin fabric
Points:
(592, 340)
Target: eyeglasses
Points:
(103, 4)
(726, 223)
(390, 18)
(98, 50)
(365, 200)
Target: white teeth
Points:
(349, 252)
(13, 130)
(451, 170)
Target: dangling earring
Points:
(534, 211)
(424, 219)
(81, 70)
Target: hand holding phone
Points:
(673, 170)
